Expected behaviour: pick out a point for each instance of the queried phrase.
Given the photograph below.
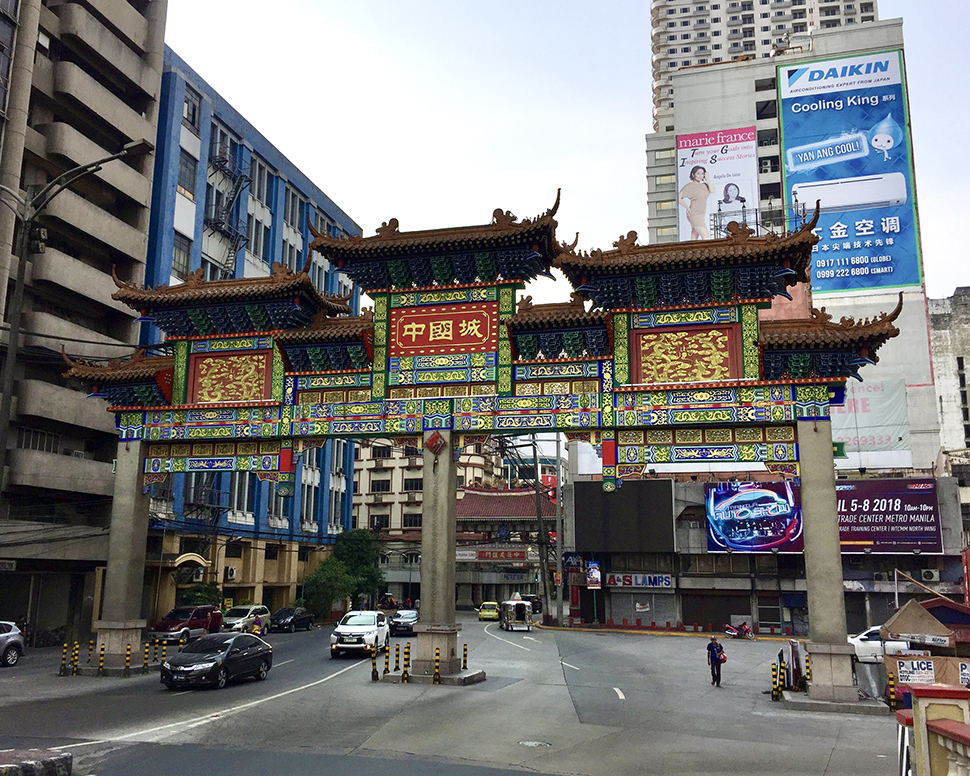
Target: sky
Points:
(436, 113)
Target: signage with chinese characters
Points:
(444, 329)
(846, 143)
(492, 555)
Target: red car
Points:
(187, 622)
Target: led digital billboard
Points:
(845, 142)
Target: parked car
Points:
(291, 618)
(217, 658)
(360, 632)
(240, 619)
(488, 611)
(187, 622)
(11, 643)
(403, 622)
(870, 647)
(536, 602)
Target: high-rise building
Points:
(692, 32)
(228, 204)
(889, 422)
(79, 81)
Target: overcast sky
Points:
(436, 113)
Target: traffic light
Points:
(38, 240)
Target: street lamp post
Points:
(26, 210)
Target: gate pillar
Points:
(828, 647)
(437, 627)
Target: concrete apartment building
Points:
(228, 204)
(84, 83)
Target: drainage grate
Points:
(534, 743)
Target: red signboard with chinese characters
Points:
(440, 329)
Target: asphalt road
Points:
(560, 702)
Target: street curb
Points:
(35, 762)
(648, 632)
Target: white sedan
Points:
(360, 632)
(870, 647)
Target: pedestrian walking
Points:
(417, 604)
(715, 656)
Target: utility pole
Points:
(543, 534)
(559, 538)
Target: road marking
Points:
(619, 693)
(285, 662)
(505, 640)
(530, 638)
(563, 662)
(188, 724)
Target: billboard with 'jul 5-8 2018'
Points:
(845, 143)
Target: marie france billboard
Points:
(879, 516)
(716, 172)
(845, 142)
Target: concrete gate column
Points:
(121, 622)
(437, 627)
(831, 655)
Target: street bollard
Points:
(101, 661)
(397, 658)
(374, 676)
(774, 681)
(387, 660)
(90, 650)
(436, 679)
(407, 662)
(63, 671)
(127, 660)
(181, 643)
(155, 652)
(147, 647)
(164, 650)
(783, 676)
(808, 668)
(891, 689)
(464, 657)
(75, 653)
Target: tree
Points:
(327, 583)
(198, 595)
(360, 552)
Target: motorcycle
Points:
(744, 632)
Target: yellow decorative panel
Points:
(181, 451)
(586, 386)
(482, 390)
(428, 392)
(526, 389)
(555, 388)
(353, 396)
(247, 448)
(269, 448)
(688, 436)
(334, 397)
(749, 434)
(158, 451)
(396, 393)
(311, 397)
(780, 434)
(202, 451)
(243, 377)
(714, 436)
(455, 390)
(225, 448)
(684, 356)
(660, 437)
(630, 438)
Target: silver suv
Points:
(240, 619)
(360, 632)
(11, 644)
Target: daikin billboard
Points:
(845, 142)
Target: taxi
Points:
(488, 611)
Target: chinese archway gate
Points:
(677, 360)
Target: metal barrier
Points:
(75, 653)
(101, 661)
(436, 679)
(464, 657)
(891, 690)
(374, 676)
(127, 660)
(774, 682)
(397, 658)
(90, 650)
(63, 671)
(407, 662)
(387, 660)
(147, 648)
(808, 668)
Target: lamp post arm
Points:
(43, 197)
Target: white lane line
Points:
(192, 723)
(619, 693)
(532, 639)
(505, 640)
(563, 662)
(285, 662)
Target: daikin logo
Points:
(846, 71)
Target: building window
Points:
(667, 153)
(192, 110)
(181, 255)
(412, 484)
(234, 549)
(259, 177)
(667, 204)
(379, 522)
(272, 551)
(308, 502)
(241, 491)
(380, 485)
(461, 480)
(34, 439)
(411, 451)
(188, 167)
(412, 520)
(276, 507)
(666, 231)
(380, 451)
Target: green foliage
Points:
(327, 583)
(360, 552)
(197, 595)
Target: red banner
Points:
(435, 330)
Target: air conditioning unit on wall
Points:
(198, 575)
(880, 576)
(230, 572)
(930, 575)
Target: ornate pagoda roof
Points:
(820, 332)
(195, 291)
(324, 329)
(429, 257)
(559, 314)
(483, 503)
(139, 368)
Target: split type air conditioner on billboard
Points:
(930, 575)
(880, 576)
(230, 572)
(862, 193)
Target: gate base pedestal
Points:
(443, 636)
(832, 672)
(116, 636)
